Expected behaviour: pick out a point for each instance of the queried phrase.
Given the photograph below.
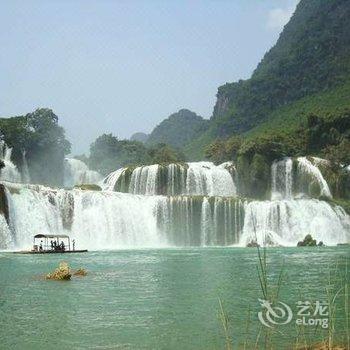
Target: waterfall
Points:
(9, 172)
(298, 178)
(111, 220)
(314, 177)
(144, 180)
(25, 168)
(282, 179)
(204, 178)
(206, 222)
(114, 220)
(97, 220)
(190, 204)
(200, 221)
(287, 222)
(110, 181)
(200, 178)
(177, 179)
(76, 172)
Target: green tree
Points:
(339, 154)
(39, 136)
(163, 154)
(108, 153)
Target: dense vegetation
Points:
(311, 55)
(178, 129)
(316, 136)
(306, 72)
(108, 153)
(328, 138)
(38, 136)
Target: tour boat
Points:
(58, 244)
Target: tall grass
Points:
(226, 326)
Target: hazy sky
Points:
(123, 66)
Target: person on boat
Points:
(52, 245)
(62, 246)
(73, 244)
(41, 246)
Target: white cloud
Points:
(279, 17)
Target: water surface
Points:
(151, 299)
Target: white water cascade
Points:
(286, 222)
(204, 178)
(110, 220)
(144, 180)
(76, 172)
(25, 168)
(9, 172)
(282, 179)
(298, 178)
(305, 166)
(200, 179)
(191, 204)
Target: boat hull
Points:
(51, 252)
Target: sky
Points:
(123, 66)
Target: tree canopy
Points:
(108, 153)
(42, 140)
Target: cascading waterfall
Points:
(198, 206)
(201, 221)
(286, 222)
(76, 172)
(110, 181)
(309, 170)
(114, 220)
(109, 220)
(282, 179)
(25, 168)
(204, 178)
(9, 172)
(200, 178)
(297, 178)
(144, 180)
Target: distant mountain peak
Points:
(178, 129)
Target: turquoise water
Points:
(152, 299)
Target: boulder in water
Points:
(62, 273)
(253, 244)
(88, 187)
(308, 241)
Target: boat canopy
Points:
(50, 236)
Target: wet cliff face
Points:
(254, 177)
(4, 209)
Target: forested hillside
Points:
(178, 129)
(307, 71)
